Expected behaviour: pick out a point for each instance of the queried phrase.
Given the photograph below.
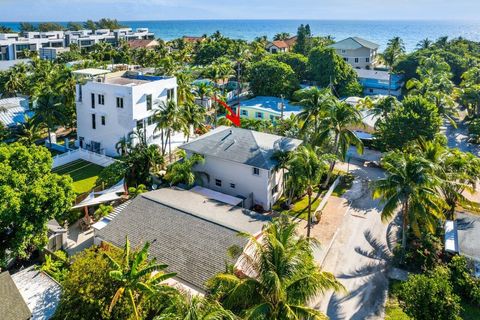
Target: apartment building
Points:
(358, 52)
(13, 45)
(111, 105)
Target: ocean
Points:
(377, 31)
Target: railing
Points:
(90, 156)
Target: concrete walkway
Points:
(77, 239)
(359, 254)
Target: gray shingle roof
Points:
(193, 247)
(353, 43)
(241, 145)
(12, 305)
(468, 230)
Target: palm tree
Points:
(282, 159)
(204, 90)
(137, 277)
(194, 117)
(184, 89)
(123, 145)
(29, 131)
(311, 167)
(395, 49)
(182, 171)
(48, 112)
(196, 308)
(383, 106)
(411, 183)
(315, 103)
(335, 127)
(277, 280)
(281, 36)
(13, 82)
(169, 118)
(424, 44)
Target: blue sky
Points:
(79, 10)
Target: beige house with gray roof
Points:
(358, 52)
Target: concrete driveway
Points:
(359, 255)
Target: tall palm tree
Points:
(412, 184)
(48, 112)
(194, 117)
(282, 159)
(311, 167)
(315, 103)
(29, 131)
(335, 128)
(383, 106)
(196, 308)
(277, 280)
(394, 51)
(424, 44)
(204, 90)
(281, 36)
(169, 118)
(13, 83)
(184, 89)
(137, 277)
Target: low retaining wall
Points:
(324, 201)
(77, 154)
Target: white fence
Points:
(77, 154)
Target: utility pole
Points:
(282, 107)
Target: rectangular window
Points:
(93, 100)
(343, 51)
(356, 60)
(367, 60)
(232, 185)
(272, 117)
(170, 94)
(94, 123)
(244, 112)
(256, 171)
(345, 59)
(101, 99)
(120, 102)
(218, 182)
(139, 124)
(103, 120)
(259, 115)
(149, 102)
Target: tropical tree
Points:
(306, 161)
(315, 104)
(194, 118)
(182, 171)
(204, 90)
(335, 129)
(48, 112)
(277, 280)
(29, 131)
(139, 278)
(196, 308)
(169, 120)
(412, 184)
(382, 107)
(282, 159)
(13, 81)
(281, 36)
(392, 54)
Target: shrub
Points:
(272, 78)
(430, 296)
(111, 174)
(474, 130)
(464, 283)
(55, 265)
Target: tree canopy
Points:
(272, 78)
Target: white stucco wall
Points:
(361, 54)
(245, 181)
(118, 122)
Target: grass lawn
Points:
(83, 173)
(344, 185)
(300, 208)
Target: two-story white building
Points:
(358, 52)
(111, 105)
(240, 162)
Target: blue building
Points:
(267, 108)
(375, 82)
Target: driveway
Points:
(458, 138)
(359, 254)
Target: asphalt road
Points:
(359, 255)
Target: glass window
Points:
(367, 60)
(259, 115)
(120, 102)
(94, 123)
(218, 182)
(244, 112)
(275, 190)
(345, 59)
(101, 99)
(232, 185)
(139, 124)
(93, 100)
(149, 102)
(103, 120)
(356, 60)
(256, 171)
(170, 94)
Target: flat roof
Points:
(468, 231)
(92, 72)
(270, 104)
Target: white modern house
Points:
(111, 105)
(240, 163)
(87, 38)
(358, 52)
(13, 45)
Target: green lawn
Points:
(83, 173)
(300, 208)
